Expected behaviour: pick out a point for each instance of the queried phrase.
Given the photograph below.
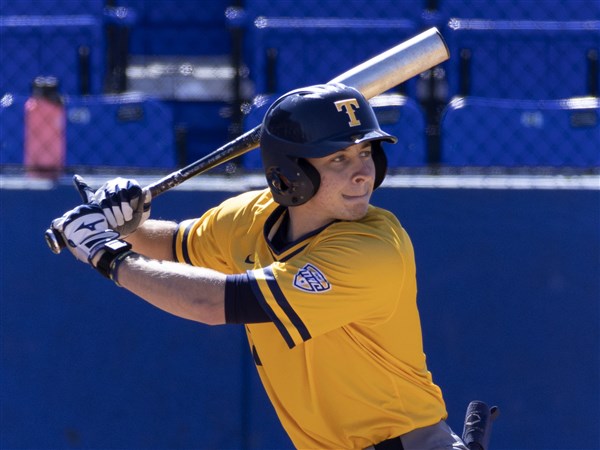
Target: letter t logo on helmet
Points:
(349, 106)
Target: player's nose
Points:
(363, 170)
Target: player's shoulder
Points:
(251, 202)
(379, 232)
(376, 216)
(377, 221)
(375, 246)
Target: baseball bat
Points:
(371, 78)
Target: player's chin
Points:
(356, 210)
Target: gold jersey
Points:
(342, 360)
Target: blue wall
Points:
(509, 297)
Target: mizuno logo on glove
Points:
(90, 226)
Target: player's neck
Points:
(302, 222)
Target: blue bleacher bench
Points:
(288, 53)
(562, 10)
(125, 130)
(181, 27)
(51, 45)
(526, 133)
(372, 9)
(12, 131)
(522, 59)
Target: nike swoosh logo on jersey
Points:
(248, 260)
(90, 226)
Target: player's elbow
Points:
(214, 316)
(206, 310)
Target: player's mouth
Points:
(359, 197)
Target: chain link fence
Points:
(156, 84)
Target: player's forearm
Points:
(154, 239)
(193, 293)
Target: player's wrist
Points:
(109, 255)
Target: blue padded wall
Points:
(508, 295)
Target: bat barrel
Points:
(402, 62)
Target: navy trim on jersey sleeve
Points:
(283, 303)
(241, 305)
(174, 242)
(184, 250)
(286, 336)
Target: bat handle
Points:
(54, 240)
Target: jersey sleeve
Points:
(199, 243)
(209, 241)
(351, 278)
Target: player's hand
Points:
(85, 231)
(124, 203)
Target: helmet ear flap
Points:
(293, 183)
(311, 173)
(380, 161)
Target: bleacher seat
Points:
(12, 129)
(566, 10)
(50, 45)
(120, 131)
(398, 115)
(528, 133)
(373, 9)
(52, 7)
(179, 27)
(180, 51)
(204, 124)
(522, 59)
(288, 53)
(402, 117)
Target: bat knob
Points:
(54, 241)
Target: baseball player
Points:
(323, 281)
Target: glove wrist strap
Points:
(112, 251)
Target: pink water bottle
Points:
(45, 140)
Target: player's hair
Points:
(314, 122)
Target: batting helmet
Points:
(314, 122)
